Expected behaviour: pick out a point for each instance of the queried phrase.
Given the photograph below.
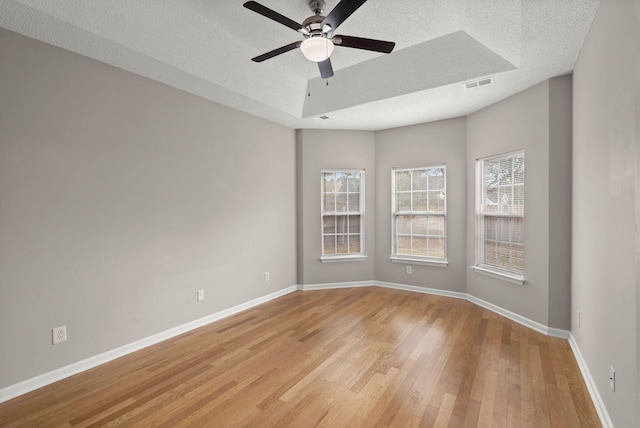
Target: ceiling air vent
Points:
(477, 83)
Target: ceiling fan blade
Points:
(362, 43)
(326, 70)
(341, 12)
(276, 52)
(272, 14)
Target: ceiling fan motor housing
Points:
(313, 24)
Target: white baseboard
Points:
(534, 325)
(425, 290)
(34, 383)
(605, 419)
(333, 285)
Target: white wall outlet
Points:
(267, 277)
(612, 379)
(409, 270)
(579, 320)
(200, 295)
(59, 334)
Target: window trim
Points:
(410, 259)
(480, 267)
(361, 256)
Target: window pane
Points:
(403, 180)
(491, 228)
(490, 253)
(506, 170)
(517, 230)
(341, 182)
(329, 224)
(419, 225)
(518, 169)
(491, 174)
(329, 182)
(504, 229)
(436, 179)
(342, 244)
(506, 199)
(354, 202)
(354, 243)
(403, 224)
(404, 202)
(341, 223)
(436, 247)
(518, 199)
(354, 224)
(341, 202)
(491, 200)
(517, 258)
(420, 201)
(420, 180)
(329, 244)
(503, 256)
(436, 201)
(404, 245)
(436, 225)
(354, 182)
(419, 246)
(329, 203)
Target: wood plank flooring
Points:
(361, 357)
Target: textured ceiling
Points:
(205, 47)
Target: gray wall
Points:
(442, 142)
(523, 122)
(119, 198)
(605, 218)
(560, 135)
(317, 150)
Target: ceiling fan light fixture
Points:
(317, 49)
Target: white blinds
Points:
(502, 213)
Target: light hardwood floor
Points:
(362, 357)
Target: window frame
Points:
(481, 217)
(413, 259)
(361, 255)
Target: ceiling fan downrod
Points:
(317, 6)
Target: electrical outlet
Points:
(59, 334)
(267, 277)
(409, 270)
(579, 320)
(612, 379)
(200, 295)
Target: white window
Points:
(343, 215)
(501, 216)
(419, 220)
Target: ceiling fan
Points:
(317, 30)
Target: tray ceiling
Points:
(204, 47)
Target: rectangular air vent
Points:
(477, 83)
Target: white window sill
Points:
(416, 261)
(515, 279)
(350, 258)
